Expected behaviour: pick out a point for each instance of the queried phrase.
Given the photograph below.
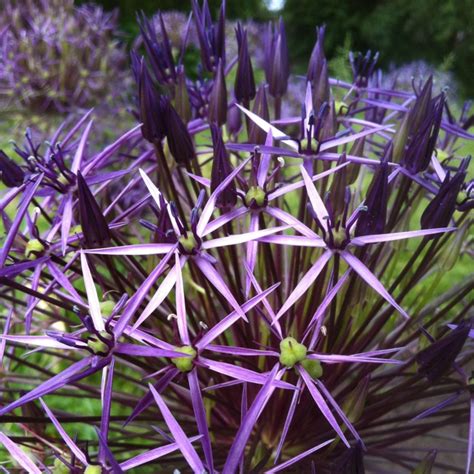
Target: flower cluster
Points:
(55, 56)
(227, 288)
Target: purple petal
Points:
(219, 284)
(3, 341)
(470, 442)
(211, 203)
(351, 138)
(230, 319)
(66, 220)
(136, 249)
(454, 326)
(294, 240)
(200, 414)
(239, 373)
(104, 155)
(224, 219)
(300, 184)
(145, 351)
(251, 254)
(92, 298)
(241, 238)
(135, 302)
(267, 127)
(289, 418)
(49, 385)
(153, 454)
(339, 411)
(146, 401)
(106, 399)
(248, 424)
(288, 219)
(371, 280)
(377, 238)
(356, 359)
(324, 305)
(18, 455)
(439, 170)
(31, 300)
(66, 438)
(305, 282)
(63, 281)
(439, 406)
(241, 351)
(274, 322)
(39, 341)
(152, 189)
(12, 270)
(200, 179)
(12, 232)
(163, 291)
(299, 457)
(78, 157)
(181, 305)
(265, 161)
(315, 199)
(322, 405)
(75, 128)
(182, 440)
(107, 453)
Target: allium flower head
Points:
(219, 288)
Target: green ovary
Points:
(98, 346)
(106, 307)
(313, 367)
(293, 352)
(93, 470)
(33, 248)
(184, 364)
(188, 242)
(255, 193)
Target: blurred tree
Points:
(254, 9)
(402, 30)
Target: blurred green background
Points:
(440, 32)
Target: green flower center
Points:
(339, 237)
(293, 352)
(305, 145)
(339, 106)
(255, 195)
(97, 343)
(106, 307)
(184, 364)
(188, 242)
(33, 248)
(93, 469)
(313, 367)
